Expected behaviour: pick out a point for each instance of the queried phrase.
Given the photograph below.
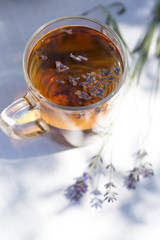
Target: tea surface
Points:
(75, 66)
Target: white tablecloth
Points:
(35, 173)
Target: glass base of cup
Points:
(74, 138)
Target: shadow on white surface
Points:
(41, 146)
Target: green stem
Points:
(158, 79)
(98, 156)
(150, 115)
(89, 11)
(111, 21)
(144, 48)
(111, 166)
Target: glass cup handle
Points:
(22, 120)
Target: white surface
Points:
(34, 174)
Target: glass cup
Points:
(34, 115)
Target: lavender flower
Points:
(42, 56)
(61, 67)
(132, 179)
(78, 58)
(110, 195)
(111, 167)
(109, 185)
(143, 170)
(78, 189)
(141, 154)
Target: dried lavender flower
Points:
(110, 196)
(141, 154)
(60, 81)
(78, 58)
(143, 170)
(111, 166)
(109, 185)
(132, 179)
(41, 55)
(60, 66)
(94, 162)
(78, 189)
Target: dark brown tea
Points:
(75, 66)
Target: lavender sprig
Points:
(144, 46)
(112, 22)
(109, 17)
(142, 170)
(78, 189)
(110, 194)
(157, 53)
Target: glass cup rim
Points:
(40, 97)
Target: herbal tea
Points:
(80, 66)
(75, 66)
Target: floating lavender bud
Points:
(41, 55)
(106, 72)
(78, 93)
(60, 81)
(85, 96)
(96, 85)
(91, 92)
(82, 95)
(83, 58)
(83, 84)
(102, 80)
(103, 83)
(99, 93)
(89, 78)
(74, 80)
(110, 78)
(110, 82)
(105, 87)
(78, 58)
(61, 67)
(116, 70)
